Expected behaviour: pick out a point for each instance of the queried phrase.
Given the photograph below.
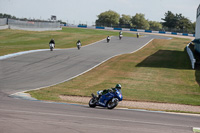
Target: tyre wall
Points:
(135, 30)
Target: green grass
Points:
(17, 40)
(196, 130)
(160, 72)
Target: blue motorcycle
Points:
(109, 100)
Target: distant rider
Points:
(120, 33)
(52, 41)
(138, 35)
(108, 39)
(78, 44)
(103, 92)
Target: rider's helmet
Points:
(118, 86)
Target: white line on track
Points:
(20, 53)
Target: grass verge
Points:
(160, 72)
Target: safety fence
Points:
(3, 21)
(190, 53)
(126, 29)
(29, 25)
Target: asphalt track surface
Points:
(39, 69)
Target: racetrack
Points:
(44, 68)
(39, 69)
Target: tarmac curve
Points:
(44, 68)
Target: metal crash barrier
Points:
(29, 25)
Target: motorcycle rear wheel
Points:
(92, 103)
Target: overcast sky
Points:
(86, 11)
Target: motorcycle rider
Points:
(103, 92)
(78, 44)
(52, 41)
(108, 39)
(120, 35)
(138, 35)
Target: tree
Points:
(108, 18)
(139, 21)
(177, 22)
(183, 23)
(7, 16)
(170, 20)
(193, 27)
(125, 21)
(155, 25)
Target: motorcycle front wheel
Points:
(92, 103)
(112, 104)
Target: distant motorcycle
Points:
(120, 37)
(78, 45)
(109, 100)
(138, 35)
(108, 39)
(51, 45)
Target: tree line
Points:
(13, 17)
(7, 16)
(172, 22)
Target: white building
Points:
(197, 31)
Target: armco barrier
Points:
(3, 27)
(31, 25)
(174, 33)
(162, 32)
(133, 29)
(82, 26)
(185, 34)
(3, 21)
(190, 53)
(136, 30)
(149, 31)
(28, 25)
(97, 27)
(117, 28)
